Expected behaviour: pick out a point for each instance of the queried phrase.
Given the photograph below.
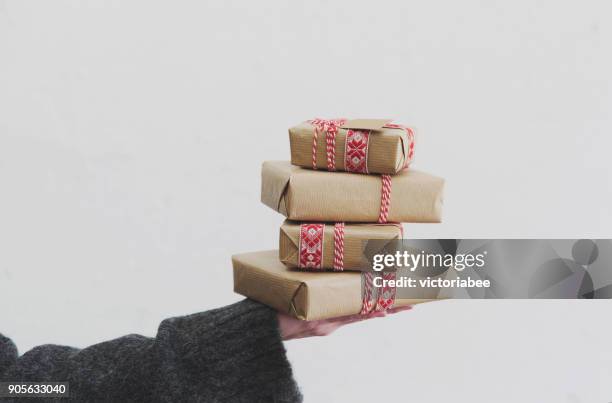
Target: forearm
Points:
(233, 353)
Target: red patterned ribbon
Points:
(386, 295)
(377, 298)
(356, 151)
(311, 246)
(339, 246)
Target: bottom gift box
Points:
(305, 295)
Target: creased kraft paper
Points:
(387, 149)
(304, 295)
(309, 195)
(355, 236)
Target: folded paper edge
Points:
(239, 269)
(275, 177)
(301, 291)
(287, 258)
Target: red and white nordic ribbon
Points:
(356, 151)
(377, 298)
(311, 246)
(386, 295)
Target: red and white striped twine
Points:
(314, 147)
(330, 139)
(411, 146)
(339, 246)
(385, 198)
(384, 298)
(330, 128)
(410, 134)
(368, 290)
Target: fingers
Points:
(298, 329)
(375, 314)
(343, 320)
(400, 309)
(358, 317)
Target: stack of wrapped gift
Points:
(349, 181)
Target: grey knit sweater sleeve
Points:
(230, 354)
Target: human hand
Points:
(292, 328)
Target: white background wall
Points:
(131, 135)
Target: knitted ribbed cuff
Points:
(238, 348)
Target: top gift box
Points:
(364, 146)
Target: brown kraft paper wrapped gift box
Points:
(309, 195)
(387, 149)
(354, 237)
(304, 295)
